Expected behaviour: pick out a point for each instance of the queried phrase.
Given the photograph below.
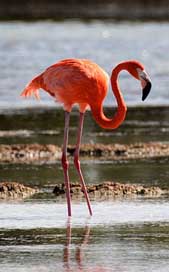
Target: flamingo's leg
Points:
(77, 162)
(65, 163)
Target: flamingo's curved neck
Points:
(120, 114)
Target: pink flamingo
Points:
(82, 82)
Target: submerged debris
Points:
(15, 190)
(25, 153)
(108, 189)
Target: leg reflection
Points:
(79, 249)
(66, 253)
(79, 254)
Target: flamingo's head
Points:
(136, 69)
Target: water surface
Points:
(129, 235)
(46, 126)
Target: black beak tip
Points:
(146, 90)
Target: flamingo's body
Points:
(82, 82)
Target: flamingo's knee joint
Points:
(65, 163)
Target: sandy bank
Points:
(108, 190)
(30, 153)
(14, 190)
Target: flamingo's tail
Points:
(32, 88)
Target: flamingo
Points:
(83, 82)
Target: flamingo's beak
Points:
(146, 90)
(145, 83)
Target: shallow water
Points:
(46, 126)
(121, 236)
(129, 234)
(145, 172)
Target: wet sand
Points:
(102, 191)
(15, 190)
(29, 153)
(109, 190)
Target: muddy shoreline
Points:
(117, 10)
(109, 190)
(15, 190)
(102, 191)
(32, 153)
